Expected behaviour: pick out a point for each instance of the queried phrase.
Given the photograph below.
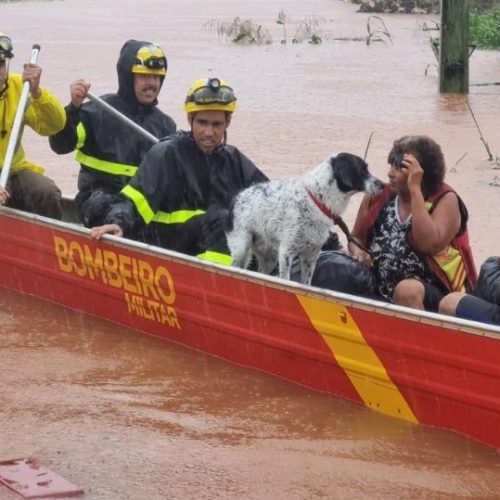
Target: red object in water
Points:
(32, 480)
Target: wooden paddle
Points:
(124, 119)
(16, 127)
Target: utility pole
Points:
(454, 47)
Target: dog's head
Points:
(352, 175)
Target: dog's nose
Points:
(377, 186)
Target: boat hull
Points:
(419, 367)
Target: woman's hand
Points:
(360, 255)
(415, 172)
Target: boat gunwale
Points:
(429, 318)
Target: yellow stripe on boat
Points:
(358, 360)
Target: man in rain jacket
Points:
(27, 188)
(109, 151)
(185, 184)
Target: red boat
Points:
(416, 366)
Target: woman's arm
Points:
(360, 235)
(432, 232)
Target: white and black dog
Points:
(280, 220)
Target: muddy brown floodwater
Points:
(127, 417)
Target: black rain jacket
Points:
(109, 151)
(184, 195)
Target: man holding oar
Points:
(26, 188)
(108, 150)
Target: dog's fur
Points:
(280, 220)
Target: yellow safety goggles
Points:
(213, 92)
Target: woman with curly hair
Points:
(414, 235)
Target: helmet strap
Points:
(5, 87)
(191, 120)
(3, 132)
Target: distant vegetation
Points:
(248, 32)
(242, 31)
(485, 29)
(484, 18)
(393, 6)
(484, 24)
(416, 6)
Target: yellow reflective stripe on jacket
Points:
(81, 135)
(177, 217)
(141, 204)
(219, 258)
(146, 212)
(108, 167)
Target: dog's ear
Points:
(352, 160)
(331, 160)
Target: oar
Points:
(21, 108)
(124, 119)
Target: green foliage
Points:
(239, 31)
(415, 6)
(485, 29)
(247, 32)
(315, 40)
(403, 6)
(309, 29)
(483, 5)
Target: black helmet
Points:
(5, 47)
